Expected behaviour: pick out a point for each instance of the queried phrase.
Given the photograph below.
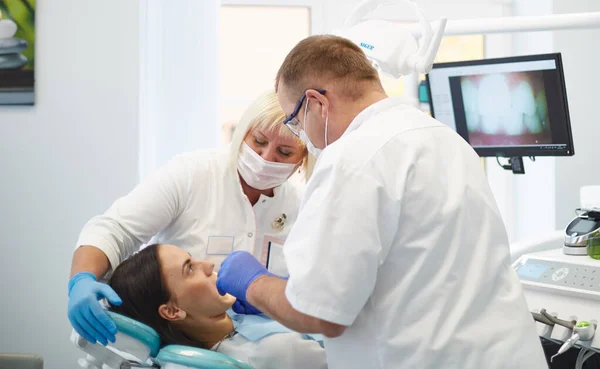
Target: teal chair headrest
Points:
(137, 330)
(197, 358)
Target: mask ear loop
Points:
(326, 127)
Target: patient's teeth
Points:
(469, 92)
(494, 102)
(513, 124)
(542, 111)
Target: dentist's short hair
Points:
(321, 59)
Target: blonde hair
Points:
(266, 114)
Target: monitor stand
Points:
(515, 163)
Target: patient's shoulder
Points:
(287, 351)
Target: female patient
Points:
(164, 288)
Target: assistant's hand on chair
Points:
(85, 313)
(236, 274)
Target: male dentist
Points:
(399, 255)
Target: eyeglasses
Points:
(291, 121)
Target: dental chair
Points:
(21, 361)
(139, 346)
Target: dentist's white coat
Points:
(399, 238)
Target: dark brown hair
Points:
(327, 58)
(139, 283)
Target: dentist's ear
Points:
(320, 100)
(171, 312)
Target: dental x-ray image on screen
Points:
(511, 107)
(506, 109)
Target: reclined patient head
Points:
(163, 287)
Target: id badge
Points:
(219, 245)
(276, 261)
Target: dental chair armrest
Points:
(137, 331)
(134, 342)
(196, 358)
(97, 355)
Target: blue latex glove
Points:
(236, 274)
(85, 313)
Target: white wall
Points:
(63, 161)
(180, 94)
(580, 57)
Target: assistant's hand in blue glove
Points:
(85, 313)
(236, 274)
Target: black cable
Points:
(508, 167)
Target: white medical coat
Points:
(400, 239)
(277, 351)
(194, 202)
(266, 344)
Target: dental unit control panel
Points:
(569, 278)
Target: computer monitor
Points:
(505, 107)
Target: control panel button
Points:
(560, 274)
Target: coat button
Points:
(249, 234)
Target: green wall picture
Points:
(17, 52)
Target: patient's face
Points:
(192, 283)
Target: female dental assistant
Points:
(210, 203)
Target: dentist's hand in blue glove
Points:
(85, 313)
(236, 274)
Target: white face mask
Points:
(315, 151)
(260, 173)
